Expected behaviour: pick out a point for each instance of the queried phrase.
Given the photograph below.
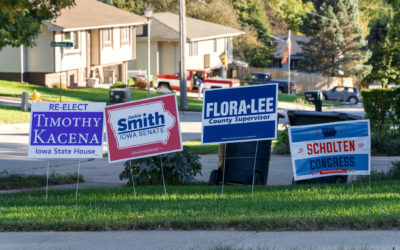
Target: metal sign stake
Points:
(223, 171)
(133, 181)
(254, 171)
(62, 52)
(163, 178)
(77, 182)
(47, 179)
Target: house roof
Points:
(165, 26)
(281, 45)
(93, 14)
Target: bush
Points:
(382, 106)
(131, 82)
(282, 146)
(56, 85)
(392, 174)
(118, 85)
(179, 168)
(140, 83)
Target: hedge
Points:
(382, 107)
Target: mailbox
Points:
(120, 95)
(314, 97)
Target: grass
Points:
(195, 147)
(13, 181)
(305, 207)
(15, 89)
(11, 114)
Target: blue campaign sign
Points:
(337, 148)
(240, 114)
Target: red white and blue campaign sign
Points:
(143, 128)
(66, 130)
(337, 148)
(240, 114)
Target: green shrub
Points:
(179, 168)
(392, 174)
(118, 85)
(56, 85)
(282, 146)
(131, 82)
(381, 107)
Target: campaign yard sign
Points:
(66, 130)
(337, 148)
(143, 128)
(240, 114)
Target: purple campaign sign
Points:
(66, 130)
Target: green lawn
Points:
(15, 89)
(195, 147)
(326, 207)
(11, 114)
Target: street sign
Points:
(240, 114)
(66, 130)
(62, 44)
(336, 148)
(143, 128)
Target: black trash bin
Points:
(300, 117)
(120, 95)
(239, 163)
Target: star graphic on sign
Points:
(248, 106)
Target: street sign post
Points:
(62, 45)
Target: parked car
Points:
(265, 78)
(342, 94)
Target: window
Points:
(193, 49)
(339, 89)
(125, 34)
(72, 37)
(215, 45)
(107, 36)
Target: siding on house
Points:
(41, 57)
(117, 52)
(71, 59)
(141, 57)
(10, 59)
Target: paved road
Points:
(98, 172)
(152, 240)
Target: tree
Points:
(378, 43)
(393, 44)
(292, 11)
(336, 46)
(20, 21)
(252, 13)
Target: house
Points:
(206, 42)
(295, 55)
(104, 41)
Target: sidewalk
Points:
(201, 239)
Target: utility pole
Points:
(290, 51)
(182, 45)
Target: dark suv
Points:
(265, 78)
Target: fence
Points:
(303, 81)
